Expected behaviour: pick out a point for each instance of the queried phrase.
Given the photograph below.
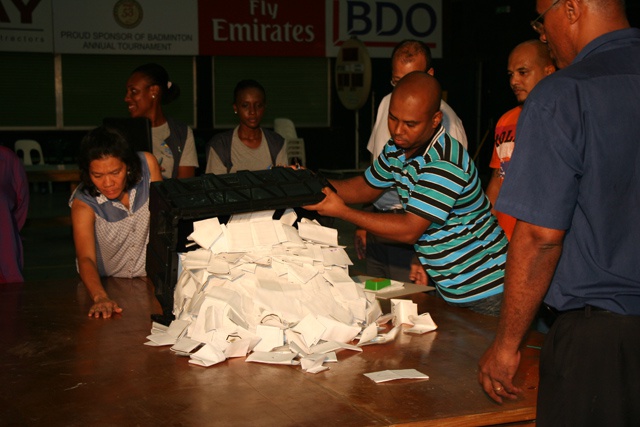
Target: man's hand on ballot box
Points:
(332, 205)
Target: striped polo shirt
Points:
(464, 249)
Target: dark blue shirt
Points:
(576, 167)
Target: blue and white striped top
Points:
(464, 249)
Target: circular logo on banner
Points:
(127, 13)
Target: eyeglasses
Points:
(538, 23)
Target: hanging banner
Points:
(380, 25)
(126, 27)
(25, 26)
(262, 28)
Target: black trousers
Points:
(590, 371)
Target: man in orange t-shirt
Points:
(529, 62)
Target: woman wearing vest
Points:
(248, 146)
(110, 213)
(148, 88)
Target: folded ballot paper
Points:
(263, 289)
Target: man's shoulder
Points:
(511, 115)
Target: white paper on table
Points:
(271, 358)
(331, 357)
(295, 344)
(292, 237)
(397, 374)
(402, 309)
(385, 318)
(248, 267)
(337, 331)
(206, 232)
(421, 324)
(231, 258)
(330, 346)
(313, 363)
(160, 339)
(158, 328)
(177, 327)
(271, 337)
(369, 334)
(296, 341)
(318, 233)
(302, 273)
(289, 217)
(266, 215)
(239, 237)
(196, 259)
(337, 275)
(218, 266)
(185, 346)
(311, 329)
(221, 244)
(265, 234)
(335, 256)
(348, 290)
(208, 355)
(238, 348)
(378, 338)
(374, 312)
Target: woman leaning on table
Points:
(110, 213)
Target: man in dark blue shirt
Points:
(574, 187)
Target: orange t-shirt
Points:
(505, 141)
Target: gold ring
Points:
(497, 389)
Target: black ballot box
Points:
(175, 204)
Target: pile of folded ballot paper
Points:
(263, 289)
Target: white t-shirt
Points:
(163, 153)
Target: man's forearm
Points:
(531, 261)
(392, 226)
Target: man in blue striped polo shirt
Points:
(446, 214)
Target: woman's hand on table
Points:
(105, 307)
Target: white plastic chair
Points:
(294, 146)
(295, 151)
(27, 146)
(285, 127)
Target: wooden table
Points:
(60, 367)
(54, 173)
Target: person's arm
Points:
(404, 228)
(83, 220)
(154, 168)
(21, 185)
(355, 190)
(493, 189)
(186, 171)
(531, 262)
(189, 157)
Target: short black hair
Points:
(248, 84)
(103, 142)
